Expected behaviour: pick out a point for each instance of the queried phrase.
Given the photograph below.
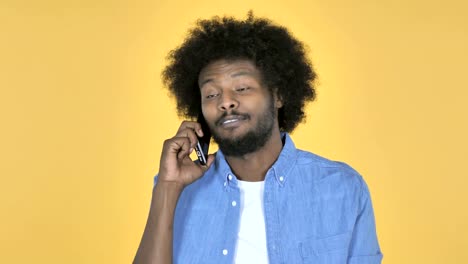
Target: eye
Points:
(242, 89)
(211, 96)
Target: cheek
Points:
(258, 107)
(209, 112)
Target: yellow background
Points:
(83, 116)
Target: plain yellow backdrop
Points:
(83, 116)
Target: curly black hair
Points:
(280, 58)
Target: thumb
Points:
(209, 161)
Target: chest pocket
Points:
(329, 250)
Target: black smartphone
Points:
(203, 143)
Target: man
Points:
(258, 199)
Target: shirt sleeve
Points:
(155, 180)
(364, 248)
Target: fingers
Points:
(179, 146)
(190, 135)
(192, 125)
(191, 130)
(183, 143)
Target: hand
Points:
(176, 165)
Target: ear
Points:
(278, 100)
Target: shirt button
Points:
(234, 203)
(230, 177)
(225, 183)
(281, 178)
(225, 252)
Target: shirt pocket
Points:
(329, 250)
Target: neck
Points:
(254, 166)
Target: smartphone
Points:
(203, 143)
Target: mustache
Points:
(221, 119)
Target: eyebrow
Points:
(237, 74)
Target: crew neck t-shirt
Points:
(251, 239)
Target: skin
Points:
(225, 86)
(228, 86)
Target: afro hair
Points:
(280, 58)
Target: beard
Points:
(253, 139)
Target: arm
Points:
(365, 247)
(156, 244)
(177, 170)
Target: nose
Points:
(227, 101)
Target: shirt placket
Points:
(272, 225)
(232, 220)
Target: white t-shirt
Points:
(251, 239)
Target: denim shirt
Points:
(316, 211)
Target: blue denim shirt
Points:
(316, 211)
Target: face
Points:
(240, 111)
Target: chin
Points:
(232, 134)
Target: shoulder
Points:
(316, 168)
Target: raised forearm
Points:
(176, 170)
(156, 243)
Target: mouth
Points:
(231, 121)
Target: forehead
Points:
(228, 67)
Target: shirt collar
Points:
(280, 169)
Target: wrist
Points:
(169, 186)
